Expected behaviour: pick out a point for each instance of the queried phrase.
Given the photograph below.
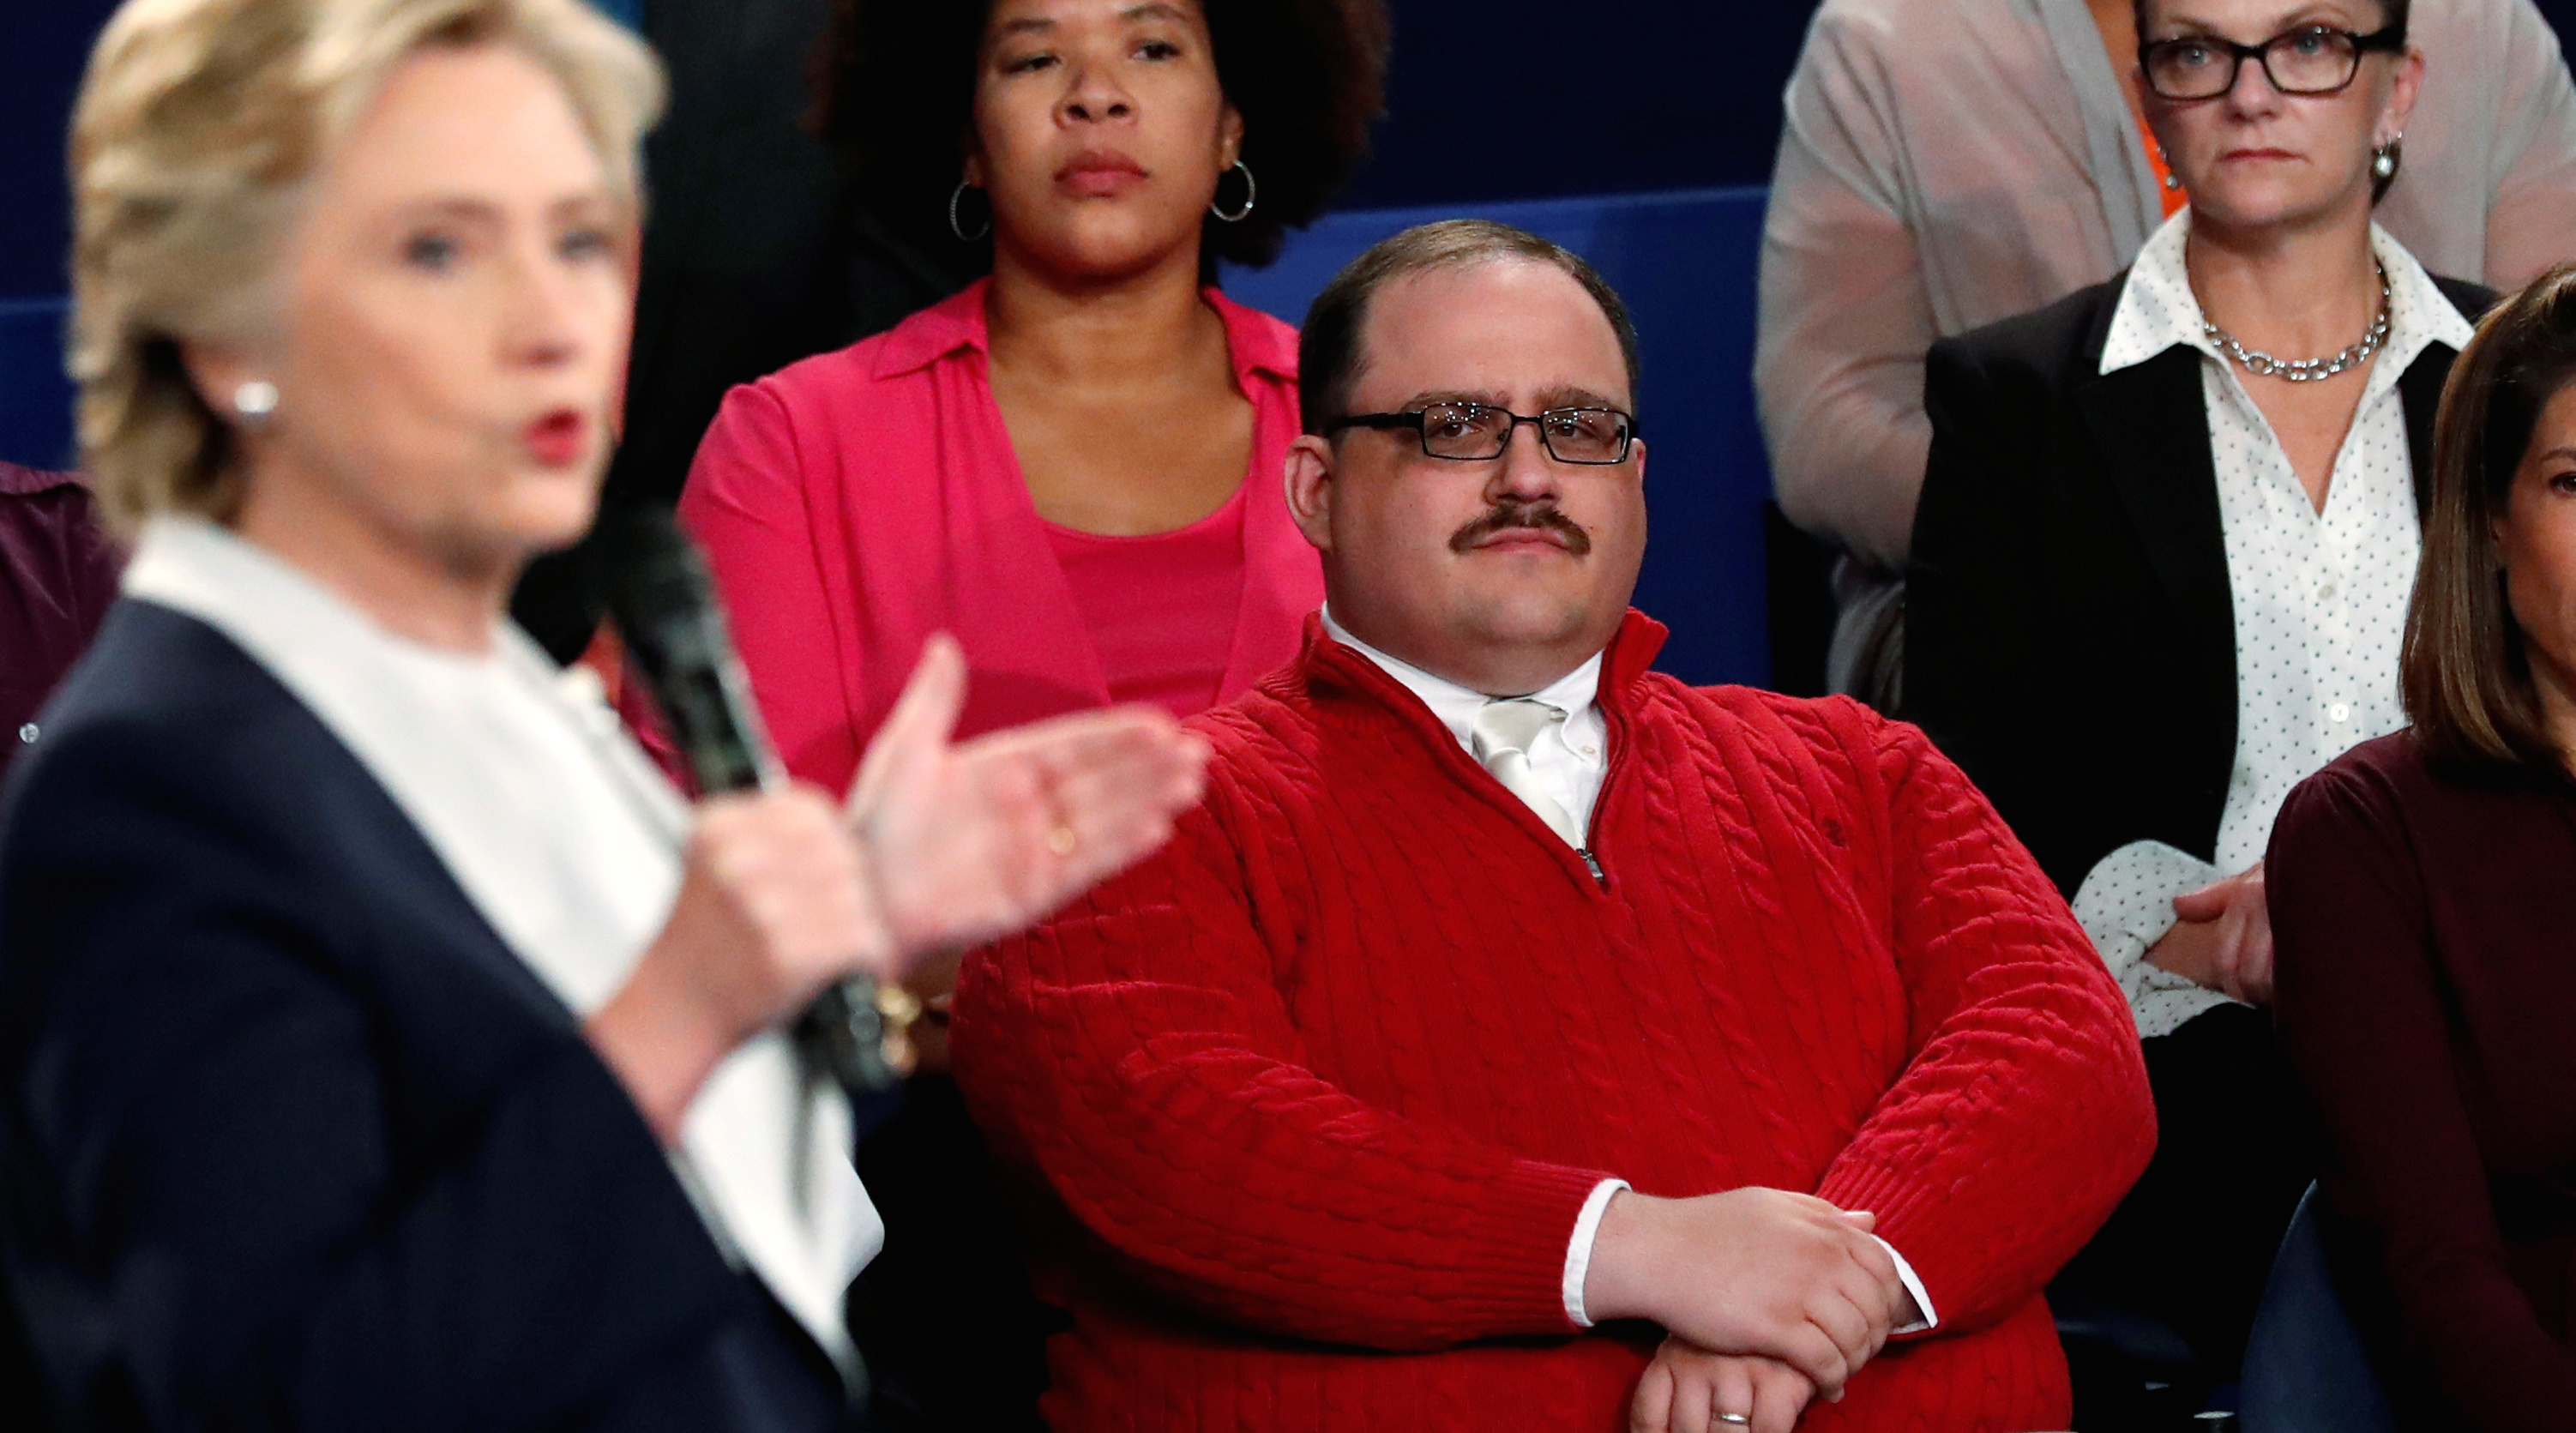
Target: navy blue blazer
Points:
(288, 1137)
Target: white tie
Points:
(1501, 740)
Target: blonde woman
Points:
(383, 1046)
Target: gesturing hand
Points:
(1688, 1389)
(971, 841)
(2224, 937)
(1751, 1271)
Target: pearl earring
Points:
(2383, 160)
(255, 400)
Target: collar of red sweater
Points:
(1257, 342)
(1324, 666)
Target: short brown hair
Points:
(894, 85)
(2466, 676)
(1329, 359)
(198, 124)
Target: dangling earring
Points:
(254, 401)
(1251, 192)
(2383, 160)
(2164, 161)
(959, 229)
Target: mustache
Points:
(1509, 514)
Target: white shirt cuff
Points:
(1578, 1250)
(1914, 1286)
(1587, 1228)
(2126, 906)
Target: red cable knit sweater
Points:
(1323, 1086)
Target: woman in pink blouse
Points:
(1074, 465)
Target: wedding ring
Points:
(1061, 840)
(1735, 1420)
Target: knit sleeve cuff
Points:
(2126, 906)
(1520, 1235)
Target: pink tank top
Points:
(1162, 608)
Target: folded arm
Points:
(1138, 1053)
(2023, 1114)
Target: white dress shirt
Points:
(2320, 598)
(568, 842)
(1570, 758)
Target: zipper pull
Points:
(1595, 865)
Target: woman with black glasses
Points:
(2160, 572)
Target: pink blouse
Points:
(855, 503)
(1161, 609)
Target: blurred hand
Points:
(1686, 1387)
(974, 840)
(2223, 939)
(774, 904)
(1751, 1271)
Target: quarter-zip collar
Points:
(1329, 668)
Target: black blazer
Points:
(2070, 633)
(290, 1138)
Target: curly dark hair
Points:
(894, 89)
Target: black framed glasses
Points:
(1475, 432)
(2310, 60)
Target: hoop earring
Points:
(1251, 193)
(959, 229)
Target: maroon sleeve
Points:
(2023, 1115)
(1136, 1051)
(2360, 1008)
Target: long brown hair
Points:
(2467, 679)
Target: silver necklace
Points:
(2308, 370)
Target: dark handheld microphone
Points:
(665, 608)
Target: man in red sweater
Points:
(1516, 1037)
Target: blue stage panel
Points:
(1684, 261)
(35, 397)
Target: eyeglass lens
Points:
(2309, 61)
(1572, 435)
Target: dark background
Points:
(1490, 99)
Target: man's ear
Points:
(1310, 489)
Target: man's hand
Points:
(972, 841)
(2223, 939)
(1687, 1388)
(1751, 1271)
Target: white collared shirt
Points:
(2320, 598)
(1571, 759)
(568, 842)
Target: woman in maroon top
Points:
(57, 577)
(2423, 893)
